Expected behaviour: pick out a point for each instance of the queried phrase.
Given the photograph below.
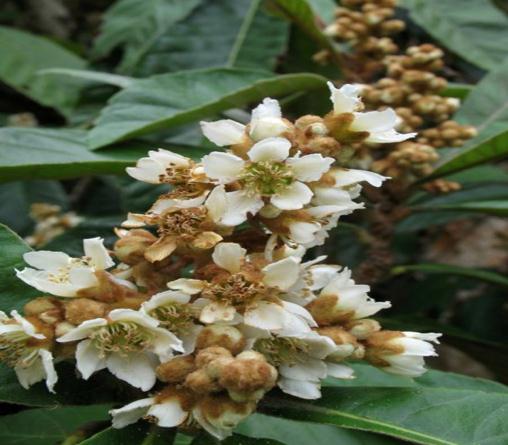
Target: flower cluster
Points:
(210, 304)
(409, 81)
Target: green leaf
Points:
(41, 153)
(475, 30)
(141, 433)
(43, 426)
(13, 292)
(325, 9)
(235, 439)
(304, 433)
(102, 387)
(424, 415)
(499, 208)
(89, 76)
(236, 34)
(167, 100)
(484, 275)
(135, 25)
(301, 14)
(458, 90)
(23, 55)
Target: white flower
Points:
(341, 298)
(379, 124)
(175, 313)
(301, 362)
(266, 121)
(25, 350)
(269, 173)
(174, 407)
(127, 343)
(247, 296)
(403, 352)
(160, 166)
(59, 274)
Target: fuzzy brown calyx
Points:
(81, 309)
(176, 369)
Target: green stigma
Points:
(121, 337)
(282, 350)
(266, 177)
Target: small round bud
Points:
(207, 355)
(225, 336)
(81, 309)
(200, 382)
(176, 369)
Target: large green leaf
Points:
(167, 100)
(141, 433)
(484, 275)
(136, 25)
(291, 432)
(13, 292)
(102, 387)
(23, 55)
(428, 415)
(235, 439)
(475, 30)
(218, 33)
(44, 427)
(486, 107)
(41, 153)
(491, 207)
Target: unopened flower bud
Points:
(362, 329)
(227, 337)
(201, 383)
(81, 309)
(131, 247)
(223, 413)
(176, 369)
(205, 356)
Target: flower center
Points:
(121, 337)
(14, 350)
(282, 350)
(62, 274)
(235, 291)
(176, 317)
(266, 178)
(176, 175)
(183, 221)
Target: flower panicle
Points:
(204, 302)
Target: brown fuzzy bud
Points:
(225, 336)
(200, 382)
(176, 369)
(81, 309)
(362, 329)
(40, 304)
(205, 356)
(222, 412)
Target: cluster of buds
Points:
(209, 305)
(50, 222)
(366, 26)
(411, 85)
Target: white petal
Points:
(229, 256)
(268, 108)
(187, 285)
(131, 413)
(311, 370)
(310, 167)
(224, 167)
(270, 149)
(94, 249)
(88, 360)
(301, 389)
(216, 203)
(137, 369)
(345, 99)
(82, 277)
(216, 312)
(39, 280)
(303, 232)
(134, 316)
(146, 170)
(293, 198)
(239, 205)
(389, 137)
(83, 330)
(168, 414)
(164, 343)
(27, 327)
(31, 375)
(46, 260)
(265, 315)
(374, 121)
(49, 369)
(340, 371)
(282, 274)
(163, 298)
(168, 158)
(223, 132)
(344, 177)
